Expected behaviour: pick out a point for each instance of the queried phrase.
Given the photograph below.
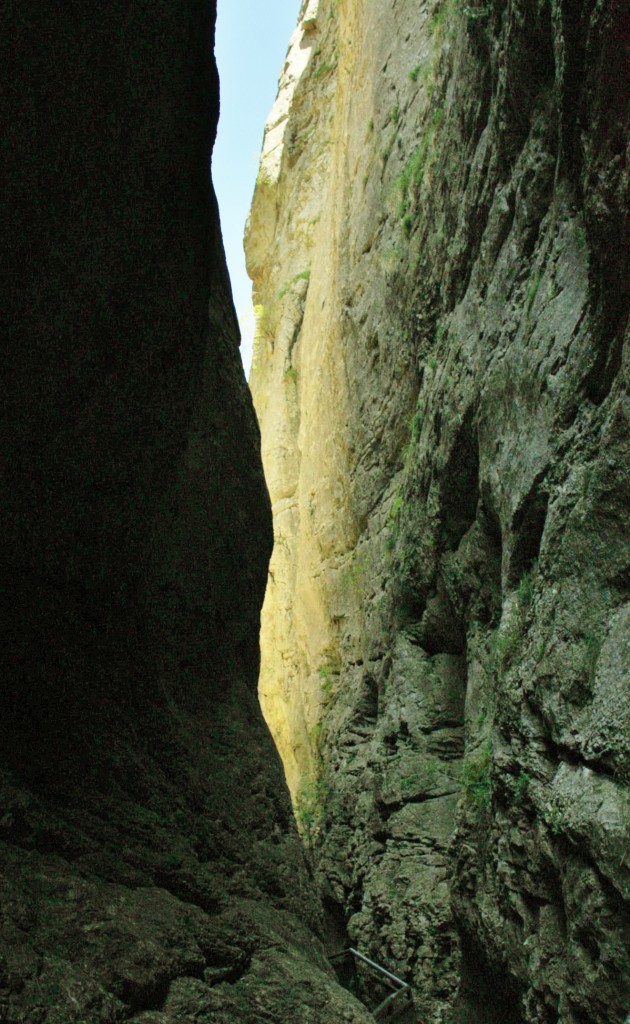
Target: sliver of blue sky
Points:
(252, 40)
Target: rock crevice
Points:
(150, 869)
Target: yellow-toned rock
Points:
(439, 380)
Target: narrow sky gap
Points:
(251, 44)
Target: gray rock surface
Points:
(444, 411)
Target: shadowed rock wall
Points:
(439, 249)
(149, 867)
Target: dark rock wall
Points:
(149, 868)
(112, 487)
(509, 535)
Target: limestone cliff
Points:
(439, 245)
(149, 865)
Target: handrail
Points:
(377, 967)
(383, 1009)
(402, 988)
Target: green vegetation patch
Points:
(264, 321)
(304, 275)
(411, 177)
(393, 523)
(328, 677)
(522, 788)
(325, 68)
(476, 777)
(309, 810)
(439, 18)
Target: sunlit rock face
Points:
(439, 248)
(149, 865)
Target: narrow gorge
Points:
(430, 492)
(150, 870)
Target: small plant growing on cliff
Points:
(412, 175)
(264, 325)
(309, 810)
(521, 788)
(553, 816)
(394, 513)
(304, 275)
(413, 74)
(438, 20)
(437, 117)
(316, 737)
(325, 67)
(507, 644)
(525, 592)
(532, 290)
(475, 777)
(327, 677)
(415, 424)
(263, 178)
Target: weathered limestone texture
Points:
(439, 245)
(150, 870)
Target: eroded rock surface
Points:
(149, 865)
(440, 260)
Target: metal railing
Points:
(398, 1000)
